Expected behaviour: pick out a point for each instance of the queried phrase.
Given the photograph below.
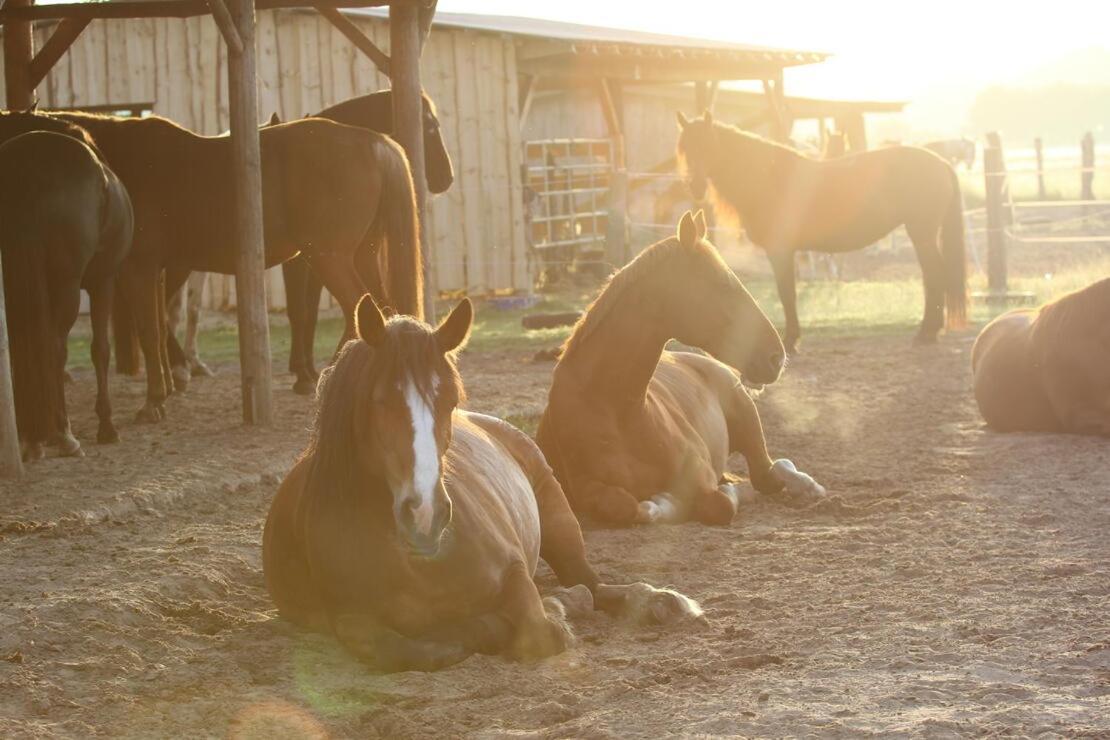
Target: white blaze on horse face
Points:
(425, 454)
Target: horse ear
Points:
(34, 107)
(454, 330)
(683, 121)
(274, 119)
(687, 231)
(369, 321)
(699, 223)
(707, 116)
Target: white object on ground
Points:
(659, 509)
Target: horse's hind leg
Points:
(67, 303)
(100, 305)
(927, 246)
(782, 264)
(302, 300)
(337, 271)
(174, 357)
(197, 367)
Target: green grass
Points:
(826, 308)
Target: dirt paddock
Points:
(954, 582)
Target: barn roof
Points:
(560, 49)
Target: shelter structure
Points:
(25, 70)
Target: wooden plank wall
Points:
(475, 230)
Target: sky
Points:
(932, 53)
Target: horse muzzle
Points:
(422, 525)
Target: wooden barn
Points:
(510, 91)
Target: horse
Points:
(639, 434)
(65, 225)
(1046, 369)
(184, 305)
(324, 187)
(411, 529)
(788, 202)
(302, 287)
(954, 151)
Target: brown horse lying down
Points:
(1048, 370)
(412, 529)
(639, 434)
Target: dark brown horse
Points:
(636, 433)
(787, 202)
(302, 287)
(1048, 370)
(412, 529)
(324, 186)
(65, 224)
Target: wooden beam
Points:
(355, 35)
(427, 13)
(408, 129)
(609, 107)
(632, 69)
(250, 268)
(527, 94)
(19, 51)
(162, 8)
(223, 20)
(65, 33)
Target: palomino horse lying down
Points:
(412, 529)
(1048, 370)
(638, 434)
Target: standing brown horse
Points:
(302, 287)
(65, 225)
(636, 433)
(324, 185)
(412, 529)
(788, 202)
(1048, 370)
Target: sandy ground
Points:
(955, 582)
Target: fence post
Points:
(1038, 145)
(994, 174)
(1087, 174)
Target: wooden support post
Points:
(1038, 146)
(355, 35)
(781, 125)
(1087, 174)
(11, 463)
(18, 51)
(250, 280)
(223, 21)
(65, 33)
(616, 232)
(994, 172)
(405, 37)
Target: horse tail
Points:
(124, 336)
(35, 350)
(403, 276)
(954, 253)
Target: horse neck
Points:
(614, 355)
(740, 173)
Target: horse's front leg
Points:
(782, 264)
(140, 286)
(389, 650)
(539, 626)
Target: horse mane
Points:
(345, 390)
(624, 280)
(49, 122)
(151, 122)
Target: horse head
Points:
(437, 162)
(730, 326)
(697, 141)
(402, 424)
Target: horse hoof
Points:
(798, 484)
(150, 414)
(200, 370)
(646, 604)
(766, 482)
(31, 451)
(107, 435)
(68, 446)
(180, 375)
(304, 387)
(550, 637)
(577, 600)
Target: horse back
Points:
(1005, 380)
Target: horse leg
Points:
(927, 246)
(195, 284)
(611, 505)
(174, 287)
(539, 625)
(389, 650)
(140, 286)
(100, 308)
(67, 306)
(339, 276)
(745, 435)
(294, 272)
(782, 264)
